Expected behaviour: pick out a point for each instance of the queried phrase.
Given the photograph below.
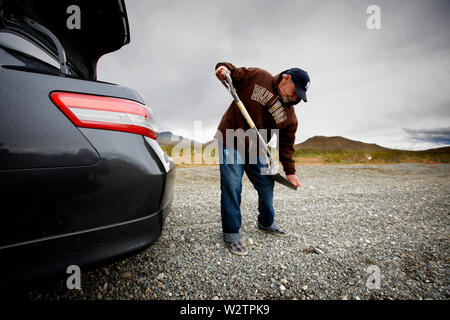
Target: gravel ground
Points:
(343, 220)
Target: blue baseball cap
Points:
(301, 81)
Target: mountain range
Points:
(317, 143)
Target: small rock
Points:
(141, 280)
(347, 243)
(250, 241)
(344, 298)
(318, 251)
(282, 288)
(161, 277)
(304, 288)
(284, 281)
(126, 275)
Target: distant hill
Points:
(439, 150)
(167, 138)
(322, 143)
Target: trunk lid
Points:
(86, 29)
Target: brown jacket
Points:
(258, 90)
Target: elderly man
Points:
(269, 100)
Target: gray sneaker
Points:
(236, 248)
(278, 231)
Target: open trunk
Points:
(75, 32)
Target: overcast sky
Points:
(387, 86)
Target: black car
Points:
(82, 179)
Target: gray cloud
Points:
(440, 136)
(364, 84)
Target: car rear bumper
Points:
(31, 262)
(40, 259)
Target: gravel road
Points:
(344, 220)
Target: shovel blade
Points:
(273, 172)
(285, 182)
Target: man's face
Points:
(286, 88)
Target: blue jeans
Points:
(231, 172)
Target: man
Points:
(269, 100)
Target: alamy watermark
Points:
(250, 149)
(373, 22)
(374, 280)
(74, 280)
(74, 20)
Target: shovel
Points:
(272, 169)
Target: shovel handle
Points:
(272, 169)
(245, 114)
(229, 85)
(238, 101)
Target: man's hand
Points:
(292, 178)
(221, 72)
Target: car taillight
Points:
(99, 112)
